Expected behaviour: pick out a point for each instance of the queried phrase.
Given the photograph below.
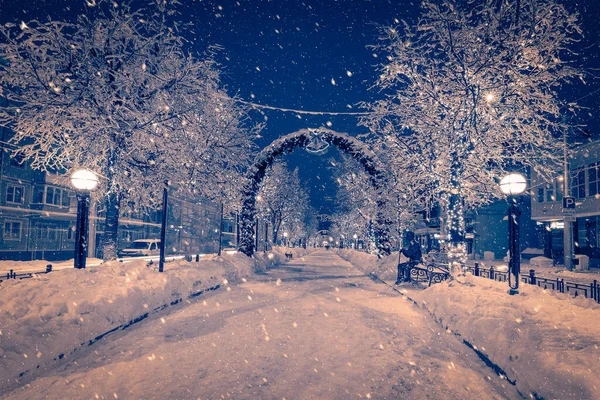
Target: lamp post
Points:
(84, 181)
(355, 241)
(285, 235)
(513, 185)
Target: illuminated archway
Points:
(301, 139)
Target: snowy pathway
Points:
(315, 328)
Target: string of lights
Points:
(306, 112)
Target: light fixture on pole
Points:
(285, 235)
(84, 181)
(513, 185)
(355, 241)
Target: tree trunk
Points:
(111, 226)
(456, 222)
(276, 226)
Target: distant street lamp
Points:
(84, 181)
(513, 185)
(285, 235)
(355, 241)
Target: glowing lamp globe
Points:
(285, 234)
(84, 180)
(513, 184)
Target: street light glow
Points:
(513, 184)
(84, 179)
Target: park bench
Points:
(432, 272)
(289, 255)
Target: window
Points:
(540, 196)
(593, 179)
(66, 200)
(578, 183)
(12, 230)
(559, 189)
(46, 232)
(14, 194)
(38, 194)
(51, 195)
(17, 161)
(550, 192)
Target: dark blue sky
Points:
(286, 53)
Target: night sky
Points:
(310, 55)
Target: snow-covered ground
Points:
(313, 328)
(545, 341)
(50, 316)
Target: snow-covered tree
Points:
(470, 92)
(117, 91)
(283, 202)
(357, 201)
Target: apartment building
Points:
(38, 212)
(584, 186)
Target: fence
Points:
(575, 289)
(23, 275)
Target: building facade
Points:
(584, 186)
(38, 211)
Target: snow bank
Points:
(50, 316)
(276, 256)
(385, 268)
(546, 341)
(39, 265)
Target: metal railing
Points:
(575, 289)
(49, 268)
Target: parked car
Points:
(140, 248)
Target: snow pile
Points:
(276, 256)
(546, 341)
(385, 268)
(39, 265)
(50, 316)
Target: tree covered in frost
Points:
(283, 202)
(118, 92)
(357, 201)
(470, 92)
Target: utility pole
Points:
(220, 231)
(163, 228)
(568, 227)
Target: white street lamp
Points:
(84, 181)
(513, 185)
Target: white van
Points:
(140, 248)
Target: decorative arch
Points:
(303, 138)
